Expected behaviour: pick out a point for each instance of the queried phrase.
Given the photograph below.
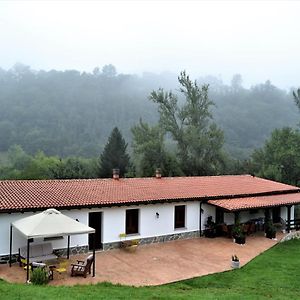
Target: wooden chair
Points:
(245, 228)
(225, 230)
(82, 267)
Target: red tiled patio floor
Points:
(159, 263)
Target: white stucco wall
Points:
(149, 224)
(113, 223)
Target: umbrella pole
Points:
(27, 260)
(10, 245)
(68, 253)
(94, 256)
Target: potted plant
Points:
(238, 234)
(270, 230)
(210, 228)
(235, 262)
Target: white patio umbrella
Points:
(48, 223)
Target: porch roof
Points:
(245, 203)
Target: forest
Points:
(64, 119)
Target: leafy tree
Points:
(149, 148)
(20, 165)
(114, 155)
(199, 141)
(297, 97)
(279, 159)
(109, 70)
(75, 167)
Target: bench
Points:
(130, 245)
(37, 253)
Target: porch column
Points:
(288, 218)
(267, 215)
(236, 216)
(200, 219)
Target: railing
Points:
(293, 224)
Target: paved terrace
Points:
(159, 263)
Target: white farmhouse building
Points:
(149, 209)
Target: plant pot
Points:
(241, 240)
(209, 233)
(235, 264)
(270, 234)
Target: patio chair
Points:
(245, 228)
(225, 230)
(82, 267)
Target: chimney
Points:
(158, 173)
(116, 174)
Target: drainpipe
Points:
(200, 219)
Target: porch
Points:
(160, 263)
(257, 212)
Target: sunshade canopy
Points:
(48, 223)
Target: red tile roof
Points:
(246, 203)
(18, 195)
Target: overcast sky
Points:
(260, 40)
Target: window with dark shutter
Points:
(179, 216)
(132, 221)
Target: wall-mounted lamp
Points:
(157, 215)
(77, 220)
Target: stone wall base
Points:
(295, 235)
(157, 239)
(73, 250)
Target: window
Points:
(179, 216)
(132, 221)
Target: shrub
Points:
(39, 276)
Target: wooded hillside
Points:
(72, 113)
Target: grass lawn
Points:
(272, 275)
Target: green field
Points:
(272, 275)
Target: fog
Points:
(259, 40)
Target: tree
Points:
(109, 70)
(148, 146)
(74, 167)
(297, 97)
(199, 141)
(279, 159)
(236, 82)
(114, 155)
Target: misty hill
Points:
(71, 113)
